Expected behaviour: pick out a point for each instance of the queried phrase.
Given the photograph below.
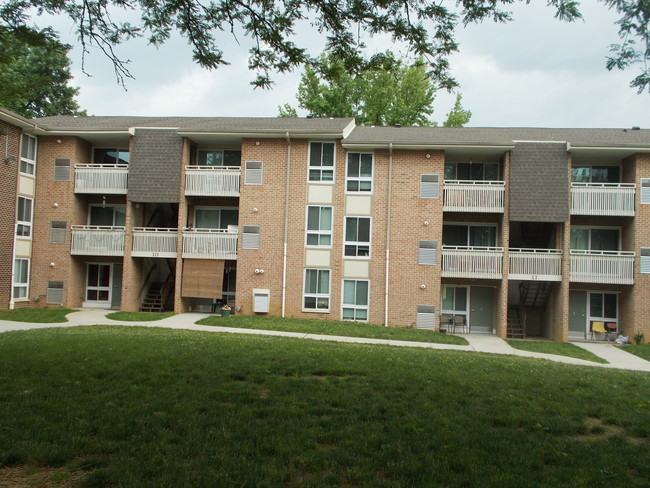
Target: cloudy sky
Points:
(535, 72)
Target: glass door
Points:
(98, 285)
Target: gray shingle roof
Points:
(497, 136)
(199, 124)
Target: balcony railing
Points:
(473, 196)
(608, 267)
(218, 181)
(472, 262)
(154, 242)
(535, 264)
(602, 199)
(101, 178)
(97, 240)
(209, 244)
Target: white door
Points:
(98, 285)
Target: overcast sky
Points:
(534, 72)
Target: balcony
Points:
(152, 242)
(214, 181)
(209, 244)
(473, 196)
(535, 264)
(472, 262)
(97, 240)
(615, 199)
(606, 267)
(107, 179)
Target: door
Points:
(481, 315)
(98, 286)
(116, 294)
(577, 314)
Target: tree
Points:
(427, 27)
(381, 91)
(458, 116)
(34, 78)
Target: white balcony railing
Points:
(154, 242)
(101, 178)
(219, 181)
(209, 244)
(473, 196)
(535, 264)
(97, 240)
(608, 267)
(602, 199)
(472, 262)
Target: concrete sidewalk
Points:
(486, 343)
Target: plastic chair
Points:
(461, 321)
(597, 326)
(612, 329)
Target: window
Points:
(103, 155)
(107, 216)
(321, 162)
(58, 231)
(215, 218)
(24, 217)
(428, 253)
(429, 186)
(454, 299)
(317, 290)
(596, 174)
(603, 306)
(645, 190)
(472, 171)
(426, 317)
(218, 157)
(21, 279)
(357, 236)
(645, 260)
(253, 173)
(319, 226)
(359, 172)
(28, 155)
(596, 239)
(98, 283)
(61, 169)
(469, 235)
(250, 237)
(54, 293)
(355, 300)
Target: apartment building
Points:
(506, 231)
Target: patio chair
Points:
(611, 329)
(597, 327)
(446, 322)
(461, 321)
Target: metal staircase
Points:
(516, 323)
(532, 294)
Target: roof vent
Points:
(636, 127)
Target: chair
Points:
(461, 321)
(446, 322)
(612, 329)
(597, 327)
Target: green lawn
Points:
(330, 327)
(558, 348)
(139, 316)
(642, 350)
(137, 407)
(36, 315)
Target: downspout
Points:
(286, 225)
(390, 187)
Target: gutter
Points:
(388, 205)
(286, 226)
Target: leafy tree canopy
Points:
(426, 26)
(34, 77)
(458, 116)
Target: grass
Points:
(36, 315)
(641, 350)
(139, 316)
(557, 348)
(330, 327)
(141, 407)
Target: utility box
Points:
(261, 300)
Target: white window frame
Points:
(429, 187)
(253, 175)
(25, 221)
(213, 150)
(98, 288)
(357, 243)
(29, 164)
(215, 209)
(316, 295)
(20, 285)
(597, 227)
(355, 307)
(359, 179)
(591, 171)
(455, 310)
(456, 163)
(645, 191)
(320, 167)
(319, 232)
(118, 150)
(473, 224)
(113, 206)
(593, 318)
